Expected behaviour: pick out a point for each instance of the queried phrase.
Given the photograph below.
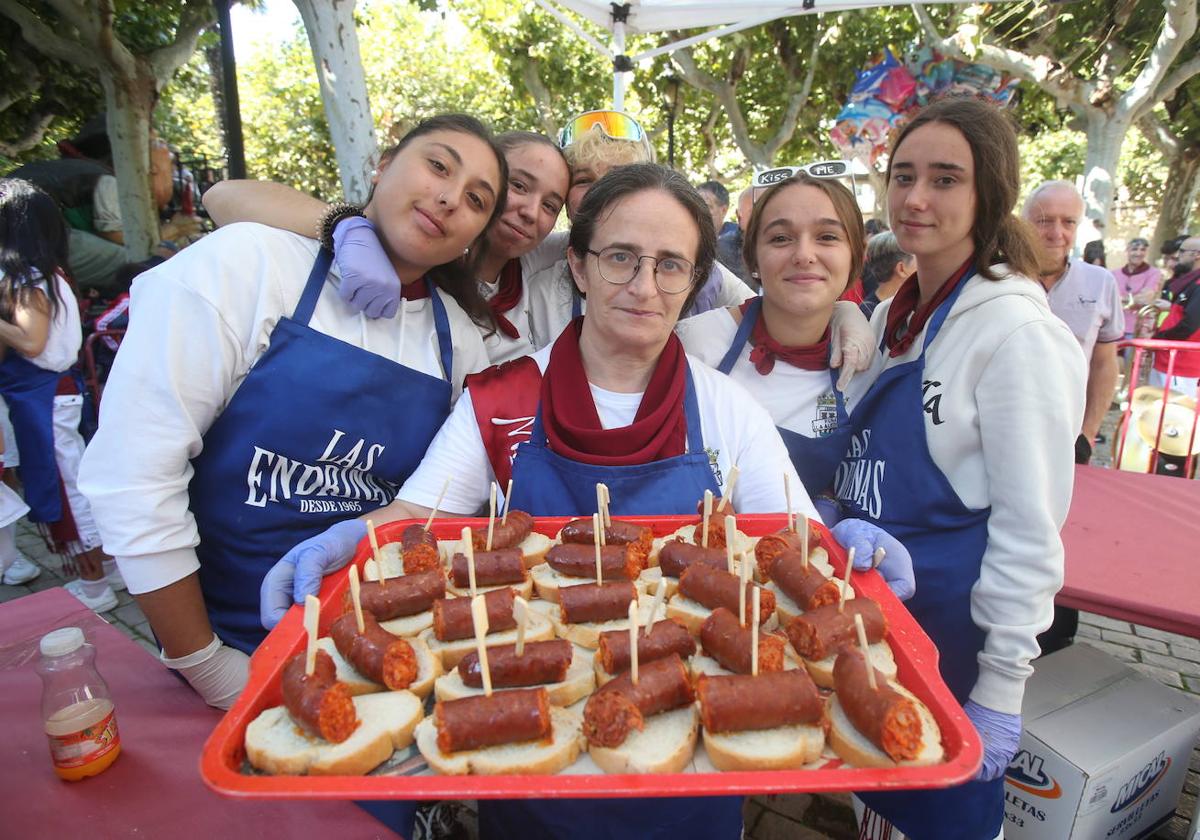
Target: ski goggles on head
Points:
(615, 124)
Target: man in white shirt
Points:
(1084, 296)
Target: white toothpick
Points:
(633, 646)
(743, 579)
(755, 612)
(660, 595)
(356, 598)
(437, 504)
(730, 530)
(728, 491)
(521, 609)
(607, 502)
(787, 494)
(507, 502)
(846, 579)
(491, 518)
(877, 557)
(862, 643)
(469, 553)
(802, 524)
(312, 611)
(480, 620)
(375, 551)
(599, 518)
(708, 505)
(597, 534)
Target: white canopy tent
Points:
(641, 17)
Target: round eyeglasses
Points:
(619, 266)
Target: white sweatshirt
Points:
(198, 323)
(500, 347)
(1004, 401)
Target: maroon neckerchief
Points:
(767, 350)
(658, 431)
(897, 338)
(417, 290)
(1145, 267)
(507, 296)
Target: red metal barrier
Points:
(1139, 452)
(91, 377)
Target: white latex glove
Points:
(852, 342)
(217, 672)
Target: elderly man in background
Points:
(731, 236)
(1138, 282)
(1082, 295)
(884, 270)
(1181, 297)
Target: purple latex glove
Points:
(369, 283)
(300, 571)
(1001, 735)
(896, 565)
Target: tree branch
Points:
(542, 100)
(197, 16)
(1179, 24)
(1040, 70)
(38, 35)
(787, 127)
(1167, 87)
(35, 129)
(30, 79)
(1156, 131)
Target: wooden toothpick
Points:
(862, 643)
(356, 598)
(437, 504)
(633, 645)
(708, 506)
(469, 553)
(755, 613)
(846, 579)
(312, 611)
(375, 551)
(491, 518)
(480, 619)
(521, 609)
(728, 491)
(597, 532)
(507, 502)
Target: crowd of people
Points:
(274, 389)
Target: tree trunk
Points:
(1105, 136)
(1179, 197)
(128, 103)
(334, 42)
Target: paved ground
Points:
(1171, 659)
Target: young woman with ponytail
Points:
(962, 446)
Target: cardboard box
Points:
(1104, 752)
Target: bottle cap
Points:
(62, 641)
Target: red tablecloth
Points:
(1132, 543)
(154, 788)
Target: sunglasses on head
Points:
(821, 169)
(614, 124)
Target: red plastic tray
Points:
(224, 769)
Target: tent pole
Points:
(618, 49)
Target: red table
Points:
(1131, 543)
(154, 788)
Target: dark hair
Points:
(999, 236)
(844, 204)
(510, 140)
(883, 252)
(457, 278)
(718, 190)
(874, 226)
(1172, 246)
(1093, 252)
(1138, 240)
(624, 181)
(33, 246)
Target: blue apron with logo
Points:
(320, 431)
(815, 458)
(546, 484)
(29, 392)
(890, 478)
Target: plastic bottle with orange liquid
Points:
(77, 709)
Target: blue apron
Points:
(815, 458)
(320, 431)
(890, 478)
(29, 392)
(546, 484)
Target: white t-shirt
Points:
(1088, 301)
(106, 208)
(198, 323)
(500, 347)
(65, 336)
(736, 430)
(801, 401)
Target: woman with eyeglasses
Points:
(248, 405)
(614, 399)
(539, 179)
(962, 445)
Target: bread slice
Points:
(781, 748)
(742, 543)
(822, 670)
(533, 549)
(547, 581)
(666, 745)
(429, 668)
(539, 629)
(527, 757)
(579, 683)
(854, 748)
(701, 664)
(693, 614)
(275, 744)
(588, 633)
(524, 589)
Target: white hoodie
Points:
(1004, 394)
